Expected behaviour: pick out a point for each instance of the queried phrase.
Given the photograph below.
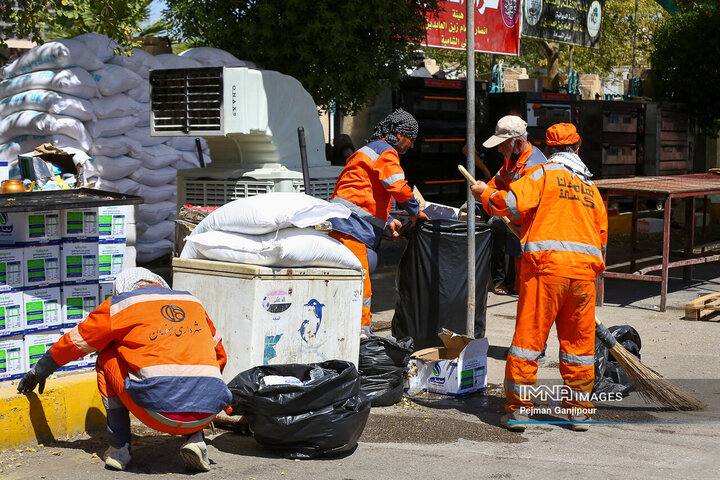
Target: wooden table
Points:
(665, 188)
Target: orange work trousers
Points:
(359, 249)
(570, 304)
(111, 374)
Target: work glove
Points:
(30, 380)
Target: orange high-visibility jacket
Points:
(372, 177)
(173, 351)
(564, 222)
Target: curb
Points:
(69, 406)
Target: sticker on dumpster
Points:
(277, 302)
(270, 342)
(312, 318)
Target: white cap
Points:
(509, 126)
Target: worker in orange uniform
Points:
(520, 155)
(159, 358)
(372, 177)
(564, 234)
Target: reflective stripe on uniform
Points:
(370, 153)
(392, 179)
(513, 388)
(179, 371)
(112, 403)
(577, 359)
(514, 175)
(176, 423)
(217, 338)
(499, 178)
(524, 353)
(367, 216)
(116, 308)
(79, 341)
(367, 302)
(561, 246)
(511, 202)
(538, 174)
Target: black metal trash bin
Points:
(432, 281)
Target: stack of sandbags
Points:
(273, 229)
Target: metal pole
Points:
(304, 161)
(470, 112)
(570, 65)
(632, 73)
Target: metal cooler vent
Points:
(187, 100)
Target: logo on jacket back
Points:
(172, 313)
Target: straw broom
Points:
(650, 385)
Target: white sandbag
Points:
(156, 212)
(29, 122)
(113, 106)
(191, 160)
(170, 60)
(160, 193)
(215, 57)
(112, 79)
(158, 156)
(142, 135)
(147, 252)
(290, 247)
(143, 115)
(186, 143)
(140, 62)
(269, 212)
(123, 185)
(110, 127)
(152, 178)
(141, 93)
(111, 168)
(73, 81)
(114, 146)
(27, 143)
(99, 44)
(153, 232)
(49, 102)
(55, 54)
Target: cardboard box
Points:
(12, 313)
(458, 368)
(79, 262)
(12, 360)
(42, 309)
(111, 260)
(78, 301)
(82, 362)
(36, 344)
(436, 210)
(113, 221)
(79, 224)
(11, 269)
(650, 225)
(106, 288)
(29, 228)
(41, 265)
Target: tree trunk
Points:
(552, 52)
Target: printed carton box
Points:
(12, 313)
(36, 344)
(79, 224)
(12, 360)
(41, 265)
(78, 301)
(106, 288)
(458, 368)
(79, 262)
(111, 260)
(11, 269)
(82, 362)
(29, 228)
(42, 309)
(113, 221)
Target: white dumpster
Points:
(269, 316)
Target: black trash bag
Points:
(432, 281)
(609, 377)
(322, 417)
(382, 364)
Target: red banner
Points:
(497, 27)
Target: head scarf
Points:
(400, 122)
(133, 278)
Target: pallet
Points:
(694, 309)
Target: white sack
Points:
(114, 146)
(113, 106)
(290, 247)
(142, 135)
(111, 168)
(29, 122)
(191, 160)
(152, 178)
(55, 54)
(160, 193)
(73, 81)
(112, 79)
(49, 102)
(140, 62)
(158, 156)
(110, 127)
(99, 44)
(143, 115)
(123, 185)
(215, 57)
(156, 212)
(147, 252)
(170, 60)
(141, 93)
(186, 143)
(269, 212)
(147, 233)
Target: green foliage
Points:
(41, 19)
(339, 51)
(685, 64)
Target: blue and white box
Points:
(113, 222)
(78, 301)
(111, 259)
(29, 228)
(42, 309)
(41, 265)
(11, 269)
(79, 224)
(12, 313)
(12, 360)
(36, 344)
(79, 262)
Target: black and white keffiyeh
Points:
(572, 162)
(399, 121)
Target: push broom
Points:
(648, 383)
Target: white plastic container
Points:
(269, 316)
(12, 360)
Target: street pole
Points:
(470, 162)
(632, 73)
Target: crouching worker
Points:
(159, 358)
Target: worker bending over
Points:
(564, 233)
(372, 177)
(159, 358)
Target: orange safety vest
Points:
(563, 218)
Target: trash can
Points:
(432, 281)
